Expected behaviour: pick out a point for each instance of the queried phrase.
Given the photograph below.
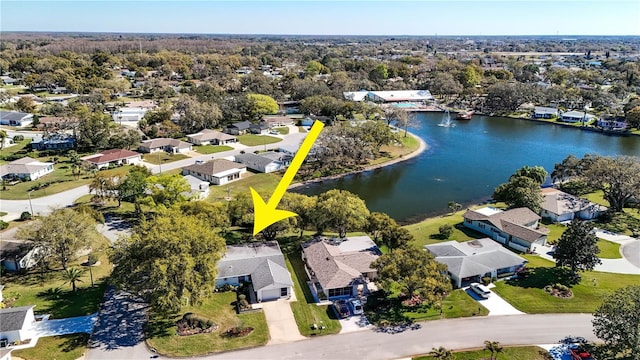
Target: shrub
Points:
(486, 280)
(25, 216)
(3, 224)
(242, 297)
(17, 138)
(445, 231)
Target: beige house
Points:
(172, 146)
(213, 137)
(26, 168)
(217, 172)
(113, 157)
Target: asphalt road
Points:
(460, 333)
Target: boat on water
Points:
(464, 115)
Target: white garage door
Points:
(271, 294)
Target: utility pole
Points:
(31, 205)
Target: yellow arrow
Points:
(267, 214)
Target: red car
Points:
(580, 354)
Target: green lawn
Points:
(254, 140)
(262, 183)
(555, 231)
(220, 308)
(53, 296)
(161, 157)
(426, 231)
(302, 129)
(211, 149)
(608, 249)
(305, 311)
(282, 130)
(10, 150)
(528, 295)
(508, 353)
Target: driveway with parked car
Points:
(494, 303)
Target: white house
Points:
(16, 324)
(15, 118)
(340, 268)
(113, 157)
(265, 162)
(129, 114)
(261, 265)
(472, 260)
(559, 206)
(613, 124)
(26, 168)
(576, 116)
(217, 172)
(172, 146)
(540, 112)
(516, 228)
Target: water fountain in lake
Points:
(446, 120)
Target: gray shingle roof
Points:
(12, 319)
(13, 115)
(559, 202)
(253, 160)
(242, 125)
(264, 262)
(512, 222)
(214, 167)
(25, 165)
(207, 135)
(162, 142)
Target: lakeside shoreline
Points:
(422, 146)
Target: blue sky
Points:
(515, 17)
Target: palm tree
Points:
(493, 347)
(3, 136)
(441, 353)
(73, 275)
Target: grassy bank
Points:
(508, 353)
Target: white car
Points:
(481, 290)
(356, 307)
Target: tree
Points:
(520, 191)
(72, 276)
(94, 129)
(441, 353)
(618, 178)
(302, 205)
(3, 137)
(260, 105)
(445, 231)
(494, 347)
(617, 322)
(537, 173)
(314, 68)
(168, 261)
(633, 117)
(240, 210)
(377, 133)
(195, 115)
(454, 206)
(105, 187)
(25, 104)
(214, 214)
(61, 234)
(341, 211)
(577, 248)
(379, 73)
(445, 84)
(167, 190)
(377, 224)
(134, 186)
(395, 237)
(413, 271)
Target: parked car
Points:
(579, 353)
(481, 290)
(273, 132)
(341, 308)
(356, 307)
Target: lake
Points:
(466, 162)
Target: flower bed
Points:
(238, 331)
(191, 325)
(559, 290)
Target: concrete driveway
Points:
(113, 228)
(79, 324)
(355, 323)
(281, 323)
(495, 304)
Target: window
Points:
(284, 291)
(481, 226)
(345, 291)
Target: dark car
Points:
(341, 308)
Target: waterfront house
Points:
(576, 116)
(613, 124)
(15, 118)
(516, 228)
(266, 162)
(25, 168)
(559, 206)
(259, 265)
(112, 157)
(172, 146)
(389, 96)
(16, 325)
(470, 261)
(217, 172)
(213, 137)
(540, 112)
(340, 268)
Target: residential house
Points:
(199, 189)
(217, 172)
(289, 149)
(26, 169)
(129, 114)
(172, 146)
(213, 137)
(15, 118)
(576, 116)
(559, 206)
(238, 128)
(16, 325)
(340, 268)
(614, 124)
(16, 256)
(259, 128)
(276, 121)
(389, 96)
(52, 124)
(55, 141)
(517, 228)
(113, 157)
(540, 112)
(470, 261)
(264, 162)
(261, 266)
(8, 80)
